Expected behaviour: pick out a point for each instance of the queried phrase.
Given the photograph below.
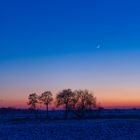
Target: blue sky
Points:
(51, 44)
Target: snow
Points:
(94, 129)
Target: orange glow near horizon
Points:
(106, 97)
(102, 101)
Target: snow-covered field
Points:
(95, 129)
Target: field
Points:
(112, 124)
(96, 129)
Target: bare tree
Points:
(65, 98)
(33, 100)
(46, 98)
(83, 101)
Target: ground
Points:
(96, 129)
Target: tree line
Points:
(78, 101)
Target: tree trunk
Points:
(66, 111)
(47, 114)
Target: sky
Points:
(77, 44)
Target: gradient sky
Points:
(78, 44)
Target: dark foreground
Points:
(97, 129)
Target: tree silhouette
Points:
(33, 100)
(83, 101)
(46, 98)
(65, 98)
(78, 102)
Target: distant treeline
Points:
(78, 101)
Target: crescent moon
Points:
(98, 47)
